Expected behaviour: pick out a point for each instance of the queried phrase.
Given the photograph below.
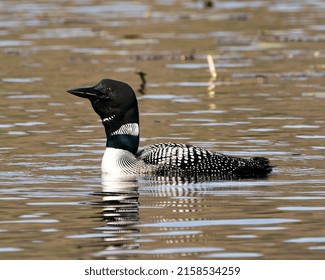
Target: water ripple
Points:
(163, 251)
(31, 221)
(234, 255)
(306, 240)
(200, 223)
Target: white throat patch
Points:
(118, 162)
(128, 128)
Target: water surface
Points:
(267, 100)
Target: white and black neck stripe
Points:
(127, 129)
(126, 137)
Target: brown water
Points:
(267, 100)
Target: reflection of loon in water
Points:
(127, 235)
(119, 201)
(121, 214)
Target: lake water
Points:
(267, 100)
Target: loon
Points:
(116, 104)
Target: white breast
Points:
(117, 162)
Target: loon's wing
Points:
(172, 155)
(172, 158)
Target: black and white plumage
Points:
(184, 160)
(116, 104)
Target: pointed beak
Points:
(89, 92)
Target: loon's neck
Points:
(126, 137)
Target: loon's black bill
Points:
(86, 92)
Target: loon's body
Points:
(116, 104)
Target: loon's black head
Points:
(116, 104)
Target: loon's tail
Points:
(256, 167)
